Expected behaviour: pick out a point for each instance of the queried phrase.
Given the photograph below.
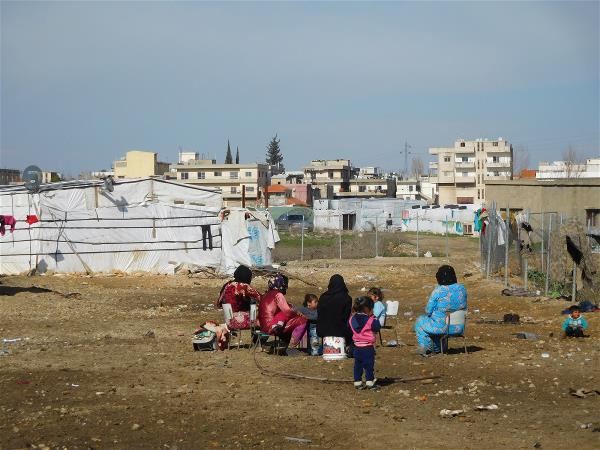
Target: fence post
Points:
(376, 239)
(340, 233)
(547, 281)
(574, 289)
(446, 236)
(526, 262)
(302, 241)
(506, 245)
(542, 254)
(417, 233)
(491, 215)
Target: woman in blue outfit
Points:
(448, 296)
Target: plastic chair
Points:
(391, 310)
(454, 318)
(228, 316)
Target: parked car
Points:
(293, 222)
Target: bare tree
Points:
(416, 167)
(572, 164)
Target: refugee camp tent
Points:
(249, 236)
(148, 225)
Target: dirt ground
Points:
(84, 375)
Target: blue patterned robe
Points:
(443, 299)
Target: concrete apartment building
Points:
(328, 177)
(461, 172)
(10, 176)
(232, 179)
(139, 164)
(563, 169)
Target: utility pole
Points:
(406, 153)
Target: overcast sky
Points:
(83, 82)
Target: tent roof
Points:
(79, 184)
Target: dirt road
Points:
(84, 375)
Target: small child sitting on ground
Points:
(574, 325)
(364, 327)
(379, 309)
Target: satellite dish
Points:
(32, 177)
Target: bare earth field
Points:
(85, 375)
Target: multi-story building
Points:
(567, 169)
(462, 171)
(139, 164)
(10, 176)
(329, 177)
(234, 180)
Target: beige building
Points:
(462, 172)
(571, 197)
(139, 164)
(330, 176)
(232, 179)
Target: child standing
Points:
(574, 325)
(378, 305)
(364, 327)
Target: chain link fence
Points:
(552, 253)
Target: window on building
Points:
(482, 194)
(233, 190)
(217, 174)
(495, 159)
(462, 144)
(248, 174)
(592, 217)
(465, 159)
(494, 144)
(185, 175)
(201, 175)
(446, 159)
(362, 189)
(233, 175)
(330, 174)
(249, 188)
(496, 174)
(478, 194)
(410, 188)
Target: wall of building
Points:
(569, 197)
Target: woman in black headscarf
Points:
(333, 312)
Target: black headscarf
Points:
(334, 309)
(243, 275)
(336, 285)
(446, 276)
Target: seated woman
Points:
(447, 297)
(239, 294)
(335, 306)
(277, 317)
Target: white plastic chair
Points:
(228, 315)
(391, 310)
(455, 318)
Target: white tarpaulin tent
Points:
(248, 238)
(148, 225)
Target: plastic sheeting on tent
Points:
(248, 238)
(147, 225)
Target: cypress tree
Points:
(228, 157)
